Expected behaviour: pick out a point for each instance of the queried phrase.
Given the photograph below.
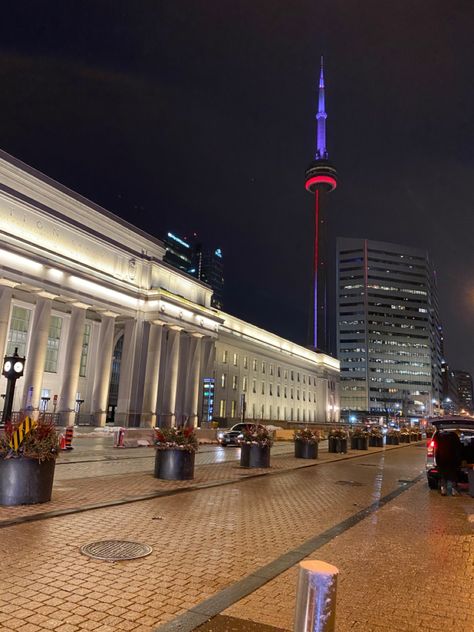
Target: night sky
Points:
(198, 116)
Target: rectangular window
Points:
(254, 386)
(304, 396)
(85, 350)
(286, 374)
(279, 371)
(271, 391)
(292, 375)
(18, 333)
(236, 357)
(298, 376)
(222, 407)
(234, 382)
(223, 380)
(224, 356)
(304, 378)
(233, 407)
(52, 349)
(254, 364)
(285, 392)
(263, 367)
(263, 388)
(244, 384)
(291, 393)
(271, 369)
(278, 390)
(298, 393)
(246, 362)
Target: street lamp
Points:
(13, 367)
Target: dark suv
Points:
(465, 425)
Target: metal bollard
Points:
(316, 597)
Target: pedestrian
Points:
(448, 454)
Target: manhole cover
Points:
(353, 483)
(114, 550)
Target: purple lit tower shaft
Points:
(321, 178)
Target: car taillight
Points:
(431, 448)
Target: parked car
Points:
(233, 435)
(465, 425)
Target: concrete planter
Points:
(173, 464)
(305, 449)
(359, 443)
(392, 440)
(26, 481)
(337, 445)
(375, 442)
(254, 455)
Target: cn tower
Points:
(321, 179)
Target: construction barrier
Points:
(69, 432)
(119, 434)
(20, 433)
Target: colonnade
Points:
(160, 370)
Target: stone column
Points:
(150, 391)
(67, 399)
(103, 369)
(34, 367)
(193, 379)
(5, 303)
(168, 409)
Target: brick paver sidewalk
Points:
(90, 490)
(409, 567)
(203, 542)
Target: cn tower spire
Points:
(321, 151)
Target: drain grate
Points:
(353, 483)
(115, 550)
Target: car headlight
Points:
(220, 435)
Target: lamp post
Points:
(13, 367)
(79, 403)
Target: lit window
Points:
(222, 408)
(244, 384)
(236, 357)
(18, 333)
(233, 407)
(223, 380)
(224, 356)
(234, 382)
(52, 349)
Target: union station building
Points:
(111, 333)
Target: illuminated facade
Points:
(321, 178)
(109, 328)
(388, 334)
